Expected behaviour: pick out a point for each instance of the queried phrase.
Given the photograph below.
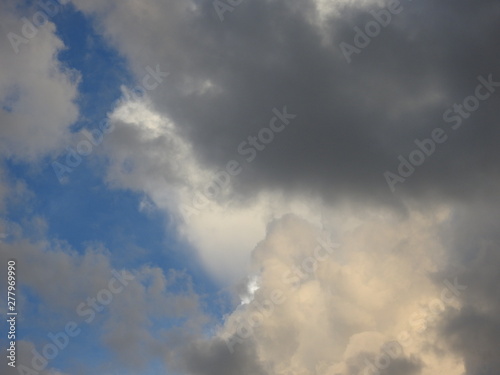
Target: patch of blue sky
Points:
(102, 69)
(84, 352)
(29, 303)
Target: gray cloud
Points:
(474, 331)
(353, 119)
(212, 357)
(33, 123)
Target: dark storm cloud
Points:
(398, 366)
(474, 332)
(353, 120)
(213, 358)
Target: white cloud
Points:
(362, 297)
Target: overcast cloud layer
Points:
(355, 234)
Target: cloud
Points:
(353, 119)
(473, 331)
(62, 286)
(211, 357)
(337, 318)
(37, 93)
(373, 290)
(353, 122)
(25, 355)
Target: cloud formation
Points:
(37, 92)
(263, 139)
(354, 121)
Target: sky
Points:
(251, 187)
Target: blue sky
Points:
(85, 211)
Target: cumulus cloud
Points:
(341, 313)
